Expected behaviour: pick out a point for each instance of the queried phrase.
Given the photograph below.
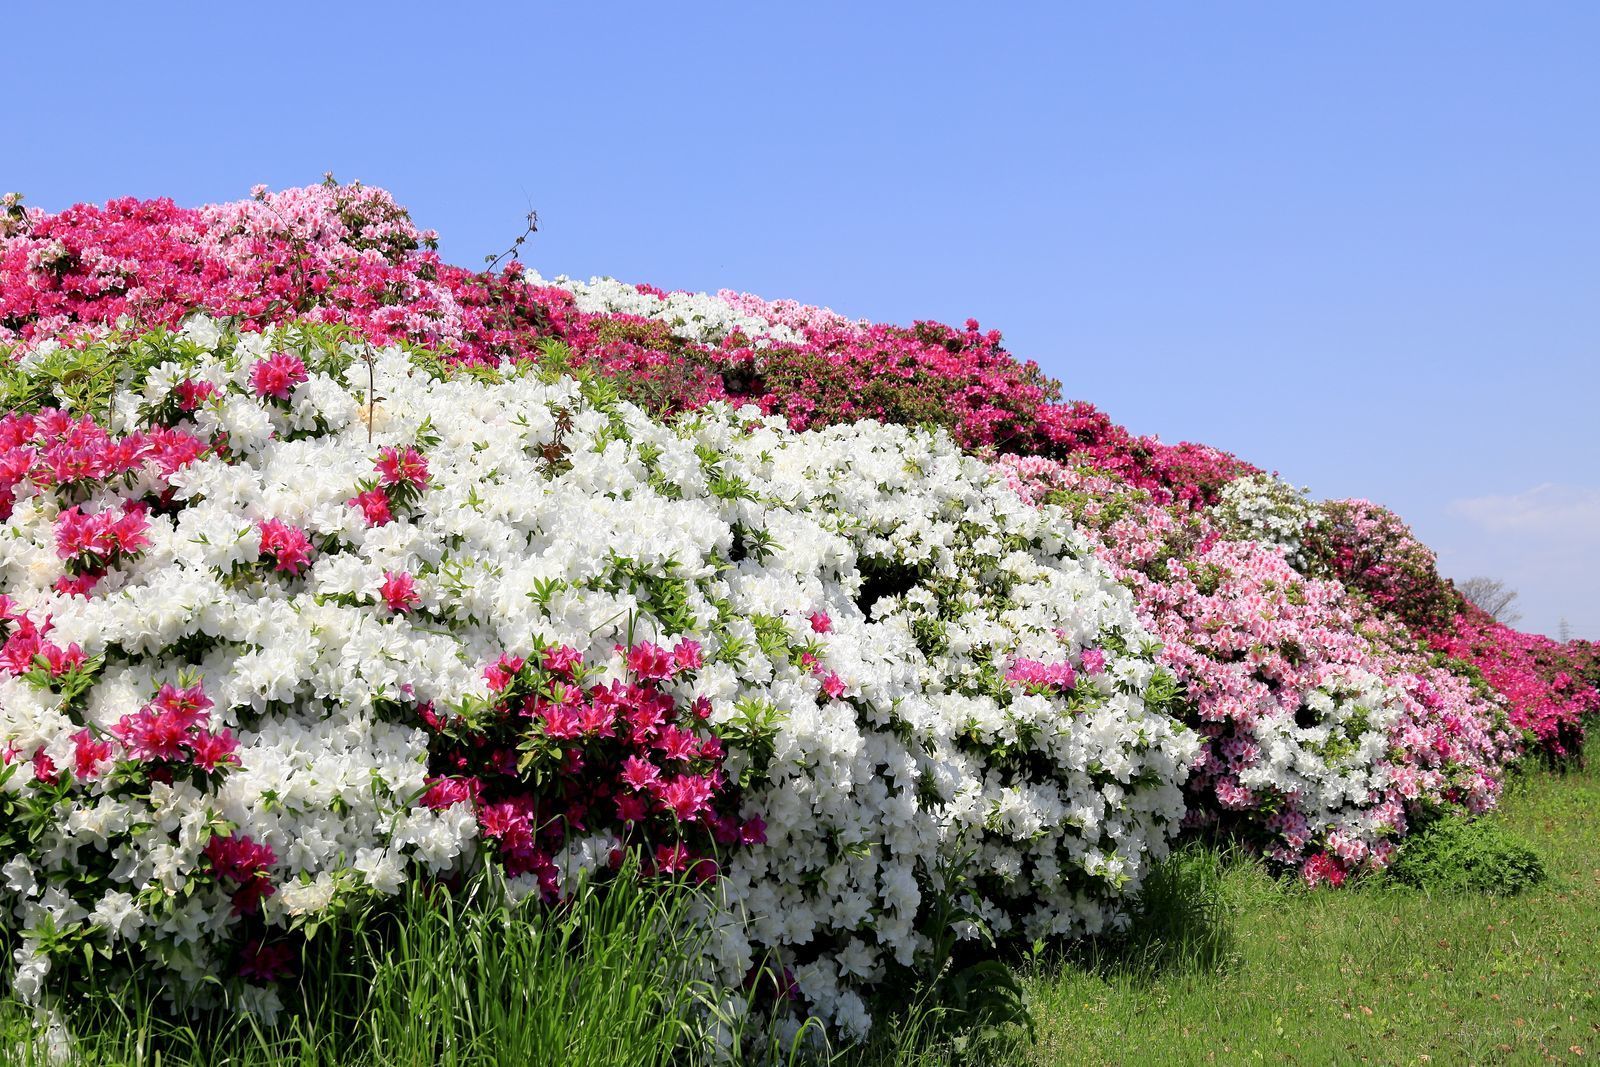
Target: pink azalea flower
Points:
(632, 807)
(649, 661)
(276, 375)
(151, 733)
(447, 792)
(598, 720)
(62, 661)
(561, 659)
(81, 585)
(44, 768)
(674, 743)
(89, 754)
(1323, 869)
(1032, 674)
(192, 393)
(686, 656)
(685, 796)
(672, 859)
(399, 591)
(238, 857)
(407, 466)
(560, 721)
(374, 506)
(211, 751)
(286, 547)
(499, 673)
(104, 536)
(640, 774)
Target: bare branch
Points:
(1493, 596)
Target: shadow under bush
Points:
(1179, 923)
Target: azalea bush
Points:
(1368, 548)
(1263, 508)
(1326, 735)
(349, 254)
(302, 620)
(330, 571)
(1544, 683)
(1547, 687)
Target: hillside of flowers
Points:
(326, 566)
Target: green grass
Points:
(443, 982)
(1227, 965)
(1378, 973)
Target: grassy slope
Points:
(1368, 975)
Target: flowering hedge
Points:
(350, 631)
(349, 254)
(1325, 733)
(1544, 683)
(1547, 687)
(856, 620)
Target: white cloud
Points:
(1558, 512)
(1543, 542)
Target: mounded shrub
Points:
(1325, 735)
(306, 620)
(347, 253)
(1541, 680)
(1470, 856)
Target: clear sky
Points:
(1356, 243)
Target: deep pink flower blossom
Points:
(399, 591)
(213, 750)
(277, 375)
(374, 507)
(402, 466)
(649, 662)
(561, 659)
(639, 773)
(286, 547)
(499, 673)
(89, 754)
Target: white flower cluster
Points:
(1332, 758)
(699, 317)
(933, 774)
(1262, 507)
(861, 595)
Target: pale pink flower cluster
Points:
(1327, 731)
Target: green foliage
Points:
(1455, 855)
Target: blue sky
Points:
(1359, 244)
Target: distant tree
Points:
(1493, 596)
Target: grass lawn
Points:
(1371, 974)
